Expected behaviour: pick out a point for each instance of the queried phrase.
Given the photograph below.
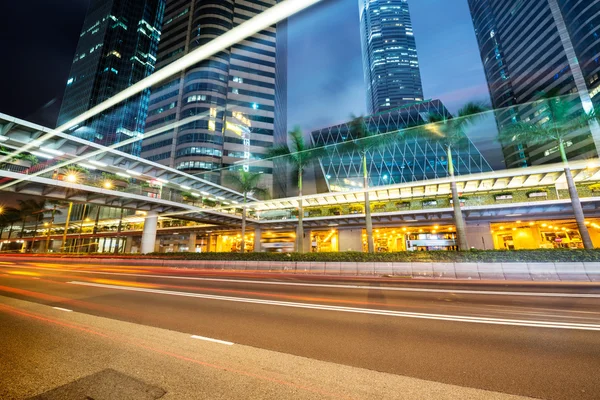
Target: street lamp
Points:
(72, 177)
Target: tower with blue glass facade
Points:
(117, 48)
(390, 61)
(529, 47)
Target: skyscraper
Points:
(532, 46)
(117, 48)
(231, 94)
(390, 57)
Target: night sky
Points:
(325, 79)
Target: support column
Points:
(192, 242)
(307, 240)
(479, 236)
(149, 233)
(128, 244)
(209, 241)
(350, 239)
(257, 237)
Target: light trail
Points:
(388, 313)
(325, 285)
(212, 340)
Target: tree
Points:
(557, 122)
(449, 132)
(246, 183)
(39, 208)
(55, 211)
(26, 209)
(363, 141)
(9, 216)
(299, 154)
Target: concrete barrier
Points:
(548, 271)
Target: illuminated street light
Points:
(107, 184)
(72, 177)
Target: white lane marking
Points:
(390, 313)
(211, 340)
(359, 287)
(62, 309)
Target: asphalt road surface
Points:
(172, 333)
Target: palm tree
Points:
(55, 211)
(300, 155)
(560, 122)
(247, 183)
(449, 132)
(26, 209)
(38, 211)
(363, 141)
(9, 216)
(13, 216)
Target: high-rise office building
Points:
(117, 48)
(390, 57)
(231, 97)
(529, 47)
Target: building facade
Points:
(227, 102)
(529, 47)
(397, 162)
(117, 48)
(390, 61)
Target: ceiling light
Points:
(52, 151)
(42, 155)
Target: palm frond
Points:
(297, 139)
(261, 192)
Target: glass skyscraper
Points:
(230, 97)
(399, 162)
(117, 48)
(390, 57)
(528, 47)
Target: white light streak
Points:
(123, 175)
(98, 163)
(88, 166)
(52, 151)
(134, 173)
(42, 155)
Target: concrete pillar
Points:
(192, 242)
(307, 240)
(479, 236)
(149, 233)
(257, 237)
(128, 244)
(209, 242)
(350, 239)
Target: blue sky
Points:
(325, 65)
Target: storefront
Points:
(520, 235)
(427, 238)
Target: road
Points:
(537, 341)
